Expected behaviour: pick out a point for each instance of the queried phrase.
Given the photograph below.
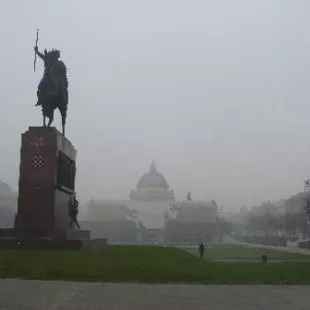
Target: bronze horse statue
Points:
(53, 89)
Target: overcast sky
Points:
(216, 92)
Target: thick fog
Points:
(216, 92)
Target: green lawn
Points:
(235, 252)
(143, 264)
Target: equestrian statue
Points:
(52, 91)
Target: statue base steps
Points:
(40, 239)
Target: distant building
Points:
(193, 221)
(151, 215)
(151, 202)
(8, 205)
(111, 220)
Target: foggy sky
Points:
(216, 92)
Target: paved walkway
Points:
(291, 249)
(44, 295)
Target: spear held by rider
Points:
(35, 54)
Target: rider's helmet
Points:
(56, 53)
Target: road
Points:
(31, 295)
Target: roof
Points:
(195, 211)
(194, 204)
(152, 178)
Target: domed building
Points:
(152, 186)
(151, 215)
(151, 201)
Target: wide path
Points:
(291, 247)
(25, 294)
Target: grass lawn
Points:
(235, 252)
(144, 264)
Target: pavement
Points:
(45, 295)
(290, 248)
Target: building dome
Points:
(152, 186)
(152, 179)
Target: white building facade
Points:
(145, 216)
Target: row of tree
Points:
(287, 218)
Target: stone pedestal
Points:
(46, 183)
(46, 180)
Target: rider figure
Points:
(50, 59)
(55, 76)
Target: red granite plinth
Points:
(45, 186)
(46, 183)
